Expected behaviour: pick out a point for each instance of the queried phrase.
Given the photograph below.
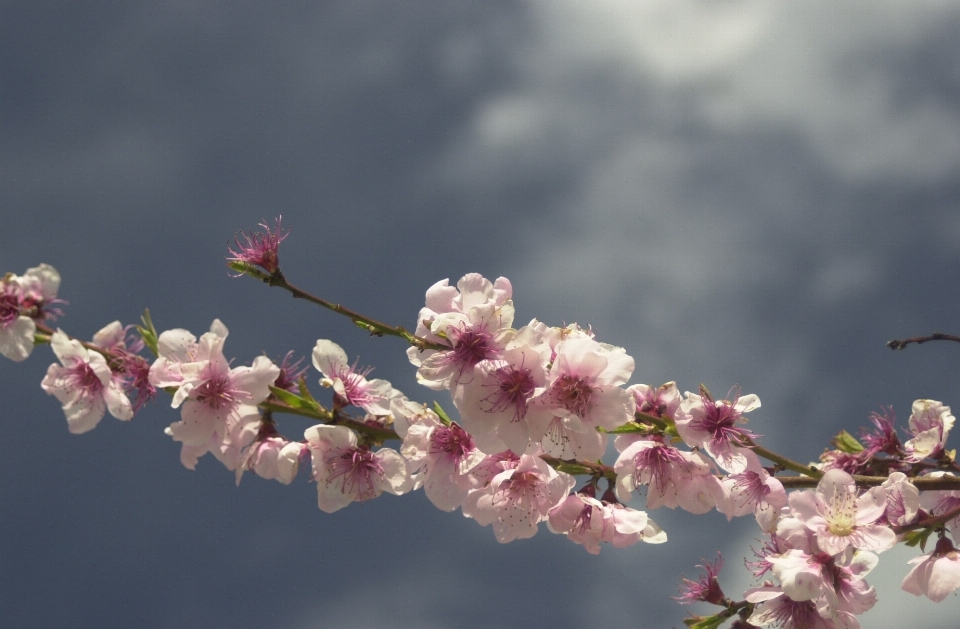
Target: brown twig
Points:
(936, 336)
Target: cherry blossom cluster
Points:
(537, 408)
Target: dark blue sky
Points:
(735, 192)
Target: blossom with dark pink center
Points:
(346, 472)
(714, 426)
(755, 491)
(903, 500)
(582, 393)
(351, 386)
(495, 403)
(442, 457)
(84, 384)
(674, 478)
(121, 350)
(517, 499)
(24, 300)
(219, 404)
(474, 320)
(588, 521)
(774, 607)
(260, 248)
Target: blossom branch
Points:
(376, 328)
(936, 336)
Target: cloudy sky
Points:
(739, 193)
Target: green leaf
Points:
(917, 538)
(845, 442)
(573, 469)
(442, 414)
(148, 332)
(245, 268)
(629, 428)
(305, 392)
(295, 400)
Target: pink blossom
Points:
(443, 457)
(903, 500)
(406, 413)
(474, 319)
(346, 472)
(930, 423)
(84, 384)
(675, 478)
(662, 401)
(219, 404)
(351, 386)
(588, 521)
(273, 458)
(713, 425)
(934, 575)
(132, 369)
(774, 607)
(496, 402)
(260, 249)
(584, 384)
(840, 518)
(492, 465)
(24, 300)
(565, 439)
(517, 499)
(753, 491)
(837, 586)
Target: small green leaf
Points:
(148, 332)
(917, 538)
(295, 400)
(442, 414)
(573, 469)
(305, 392)
(845, 442)
(629, 428)
(245, 268)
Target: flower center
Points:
(357, 468)
(470, 347)
(9, 308)
(216, 393)
(83, 377)
(453, 440)
(513, 388)
(572, 393)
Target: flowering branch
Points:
(538, 406)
